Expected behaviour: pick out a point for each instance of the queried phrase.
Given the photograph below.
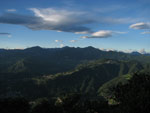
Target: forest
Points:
(73, 80)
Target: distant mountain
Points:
(147, 54)
(135, 53)
(86, 78)
(138, 53)
(40, 61)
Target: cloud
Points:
(9, 36)
(11, 10)
(103, 34)
(61, 45)
(63, 20)
(142, 51)
(58, 41)
(51, 19)
(60, 20)
(72, 41)
(140, 25)
(146, 32)
(100, 34)
(82, 32)
(6, 34)
(17, 19)
(108, 49)
(124, 20)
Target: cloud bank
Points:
(51, 19)
(60, 20)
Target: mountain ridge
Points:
(85, 78)
(53, 60)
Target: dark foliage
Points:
(86, 78)
(31, 73)
(41, 61)
(134, 97)
(14, 105)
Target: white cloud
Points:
(140, 25)
(103, 34)
(11, 10)
(72, 41)
(142, 51)
(128, 51)
(58, 41)
(58, 16)
(82, 32)
(59, 20)
(59, 31)
(51, 15)
(61, 45)
(108, 49)
(99, 34)
(62, 20)
(146, 32)
(84, 37)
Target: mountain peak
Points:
(35, 48)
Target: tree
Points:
(14, 105)
(135, 96)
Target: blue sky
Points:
(107, 24)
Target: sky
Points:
(122, 25)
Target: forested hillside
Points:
(85, 78)
(40, 61)
(72, 80)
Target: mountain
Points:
(85, 78)
(138, 53)
(107, 89)
(135, 53)
(38, 72)
(41, 61)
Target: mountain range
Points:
(41, 72)
(37, 60)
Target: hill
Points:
(41, 61)
(86, 78)
(107, 89)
